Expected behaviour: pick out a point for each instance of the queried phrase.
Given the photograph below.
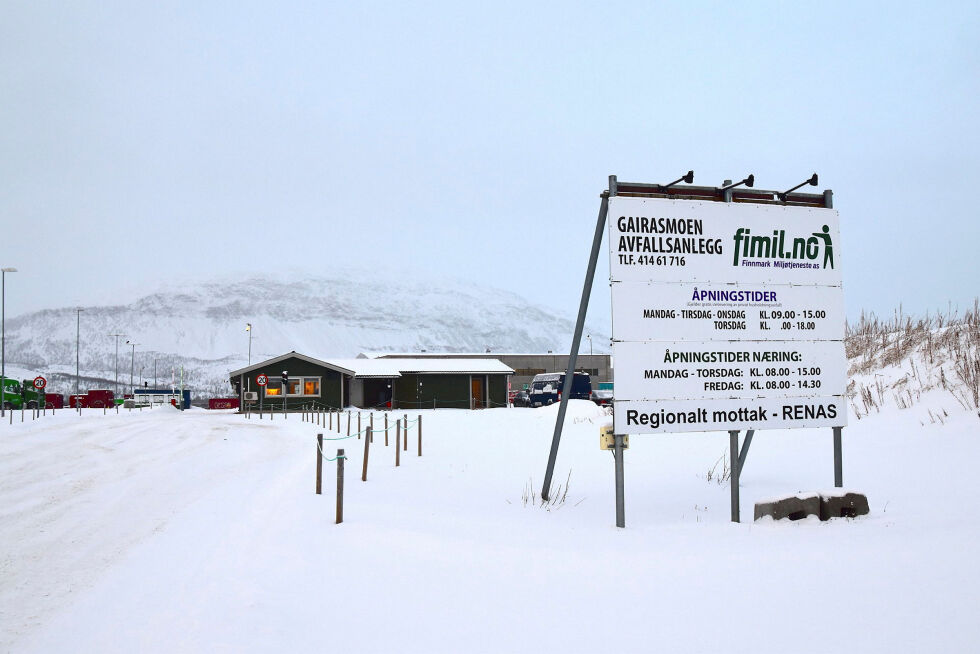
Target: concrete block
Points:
(843, 505)
(795, 507)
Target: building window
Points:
(298, 387)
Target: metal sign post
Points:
(261, 381)
(577, 338)
(285, 392)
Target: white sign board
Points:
(725, 316)
(722, 312)
(722, 242)
(729, 369)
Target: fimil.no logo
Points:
(816, 247)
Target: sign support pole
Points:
(620, 490)
(577, 338)
(733, 480)
(745, 449)
(838, 459)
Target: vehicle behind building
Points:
(546, 388)
(10, 394)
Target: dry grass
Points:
(948, 344)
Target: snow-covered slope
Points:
(200, 531)
(202, 327)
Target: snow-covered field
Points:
(160, 531)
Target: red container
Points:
(223, 403)
(76, 401)
(54, 401)
(98, 399)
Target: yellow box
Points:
(607, 441)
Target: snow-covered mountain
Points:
(202, 328)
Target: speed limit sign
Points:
(262, 380)
(40, 382)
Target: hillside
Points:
(202, 328)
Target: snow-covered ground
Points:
(160, 531)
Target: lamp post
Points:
(248, 328)
(589, 336)
(132, 360)
(78, 332)
(117, 361)
(3, 309)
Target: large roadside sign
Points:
(725, 316)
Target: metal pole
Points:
(116, 362)
(620, 490)
(577, 338)
(745, 449)
(78, 323)
(838, 459)
(3, 340)
(132, 360)
(733, 457)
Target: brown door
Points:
(476, 392)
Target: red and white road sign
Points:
(40, 382)
(262, 380)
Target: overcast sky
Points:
(142, 141)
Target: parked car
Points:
(546, 388)
(521, 398)
(602, 396)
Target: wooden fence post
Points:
(420, 434)
(398, 443)
(371, 426)
(319, 461)
(358, 425)
(386, 429)
(348, 423)
(367, 449)
(405, 440)
(340, 486)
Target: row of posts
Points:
(401, 443)
(39, 412)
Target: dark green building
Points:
(423, 383)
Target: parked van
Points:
(546, 388)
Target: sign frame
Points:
(728, 195)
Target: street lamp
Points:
(117, 361)
(589, 336)
(248, 328)
(3, 363)
(78, 331)
(132, 359)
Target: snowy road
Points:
(200, 532)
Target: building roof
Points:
(435, 366)
(389, 368)
(289, 355)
